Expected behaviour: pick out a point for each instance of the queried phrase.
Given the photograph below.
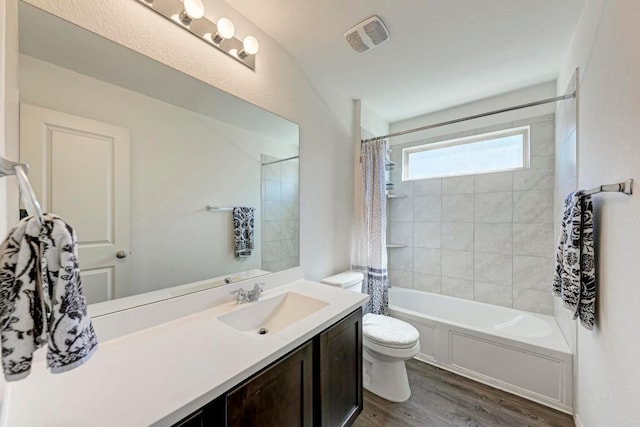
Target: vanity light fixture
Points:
(189, 15)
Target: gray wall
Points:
(486, 237)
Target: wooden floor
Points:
(440, 398)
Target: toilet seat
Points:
(387, 332)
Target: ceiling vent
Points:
(367, 34)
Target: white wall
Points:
(180, 162)
(278, 85)
(605, 47)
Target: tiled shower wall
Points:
(485, 237)
(280, 215)
(566, 181)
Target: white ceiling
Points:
(441, 53)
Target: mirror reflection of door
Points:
(64, 151)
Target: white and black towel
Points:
(575, 275)
(41, 299)
(243, 231)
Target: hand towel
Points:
(41, 299)
(243, 231)
(575, 275)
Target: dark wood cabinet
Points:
(280, 396)
(339, 372)
(318, 384)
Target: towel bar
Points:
(625, 187)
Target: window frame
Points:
(525, 131)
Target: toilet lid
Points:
(389, 332)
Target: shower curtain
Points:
(370, 246)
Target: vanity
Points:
(203, 362)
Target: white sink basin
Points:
(272, 314)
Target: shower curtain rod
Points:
(475, 116)
(280, 160)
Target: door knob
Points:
(121, 254)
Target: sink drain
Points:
(263, 331)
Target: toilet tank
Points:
(351, 280)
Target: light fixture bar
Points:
(176, 12)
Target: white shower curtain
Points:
(370, 245)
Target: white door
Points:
(79, 169)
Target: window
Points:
(504, 150)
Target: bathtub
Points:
(520, 352)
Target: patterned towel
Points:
(574, 280)
(41, 298)
(243, 231)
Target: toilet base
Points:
(385, 377)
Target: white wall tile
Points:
(458, 185)
(542, 139)
(400, 210)
(457, 236)
(401, 278)
(493, 294)
(271, 230)
(401, 232)
(493, 268)
(428, 261)
(457, 264)
(272, 172)
(427, 187)
(457, 208)
(533, 239)
(543, 163)
(493, 207)
(428, 282)
(533, 179)
(533, 206)
(533, 272)
(272, 190)
(427, 208)
(494, 237)
(272, 210)
(402, 187)
(458, 288)
(288, 192)
(288, 210)
(427, 235)
(533, 300)
(289, 229)
(494, 182)
(400, 259)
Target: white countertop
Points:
(161, 374)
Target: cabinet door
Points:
(340, 372)
(280, 396)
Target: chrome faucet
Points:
(249, 296)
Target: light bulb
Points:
(250, 46)
(226, 30)
(193, 9)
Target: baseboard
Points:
(578, 421)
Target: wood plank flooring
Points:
(442, 399)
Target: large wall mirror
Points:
(131, 152)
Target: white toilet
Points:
(387, 343)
